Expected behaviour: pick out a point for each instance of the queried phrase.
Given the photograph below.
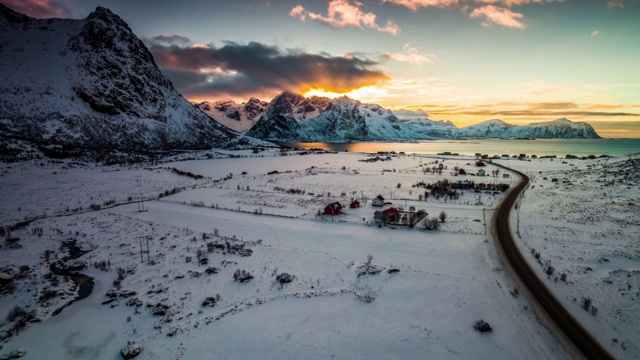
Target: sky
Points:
(467, 61)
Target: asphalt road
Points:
(573, 330)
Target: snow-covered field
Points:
(259, 213)
(584, 218)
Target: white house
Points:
(481, 173)
(378, 201)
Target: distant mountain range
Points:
(293, 118)
(92, 83)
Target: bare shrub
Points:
(431, 224)
(16, 313)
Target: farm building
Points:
(480, 163)
(386, 216)
(333, 209)
(378, 201)
(354, 204)
(462, 172)
(505, 175)
(481, 173)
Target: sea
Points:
(539, 147)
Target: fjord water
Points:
(540, 147)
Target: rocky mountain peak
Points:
(108, 49)
(92, 83)
(12, 16)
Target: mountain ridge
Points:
(291, 117)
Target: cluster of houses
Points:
(336, 208)
(480, 172)
(382, 217)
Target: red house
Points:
(462, 172)
(391, 212)
(333, 209)
(386, 216)
(480, 163)
(355, 204)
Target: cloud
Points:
(254, 69)
(40, 8)
(595, 33)
(615, 4)
(341, 13)
(510, 3)
(416, 4)
(495, 12)
(524, 109)
(495, 15)
(410, 55)
(406, 114)
(171, 39)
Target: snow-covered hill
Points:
(92, 83)
(560, 128)
(290, 117)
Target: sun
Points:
(323, 93)
(366, 93)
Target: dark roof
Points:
(335, 205)
(379, 197)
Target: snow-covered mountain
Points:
(559, 128)
(290, 117)
(92, 83)
(238, 117)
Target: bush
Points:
(242, 276)
(431, 224)
(16, 313)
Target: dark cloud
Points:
(241, 70)
(40, 8)
(171, 39)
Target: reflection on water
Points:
(540, 147)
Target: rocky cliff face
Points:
(238, 117)
(92, 83)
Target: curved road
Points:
(582, 340)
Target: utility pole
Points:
(141, 204)
(484, 219)
(141, 240)
(140, 198)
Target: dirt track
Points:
(573, 330)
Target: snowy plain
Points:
(446, 279)
(583, 218)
